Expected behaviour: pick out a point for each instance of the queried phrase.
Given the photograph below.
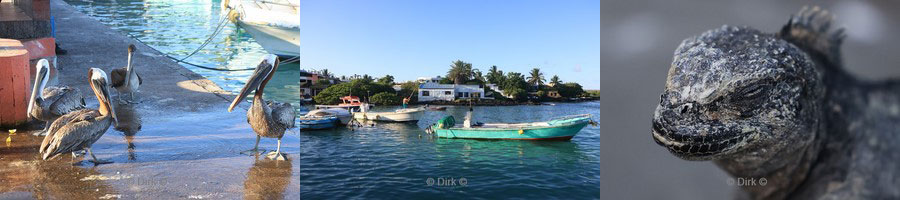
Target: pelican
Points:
(267, 119)
(125, 79)
(79, 130)
(49, 103)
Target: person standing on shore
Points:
(468, 121)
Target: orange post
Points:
(13, 83)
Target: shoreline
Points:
(500, 103)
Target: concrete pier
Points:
(167, 87)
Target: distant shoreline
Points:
(500, 102)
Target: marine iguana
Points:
(779, 107)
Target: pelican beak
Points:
(40, 80)
(99, 83)
(112, 109)
(261, 74)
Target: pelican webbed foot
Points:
(253, 152)
(44, 131)
(276, 156)
(95, 160)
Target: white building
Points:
(436, 79)
(432, 91)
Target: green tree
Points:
(460, 72)
(570, 90)
(478, 77)
(325, 73)
(387, 80)
(516, 94)
(409, 89)
(385, 98)
(367, 78)
(536, 78)
(514, 80)
(494, 75)
(361, 88)
(555, 80)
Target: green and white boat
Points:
(562, 128)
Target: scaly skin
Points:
(780, 107)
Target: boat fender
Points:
(521, 131)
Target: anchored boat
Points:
(343, 115)
(349, 103)
(562, 128)
(317, 122)
(400, 115)
(323, 119)
(275, 24)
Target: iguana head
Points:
(737, 93)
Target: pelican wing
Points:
(64, 99)
(117, 77)
(56, 125)
(72, 133)
(283, 113)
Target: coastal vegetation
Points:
(514, 87)
(359, 87)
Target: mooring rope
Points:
(218, 30)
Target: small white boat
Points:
(342, 114)
(275, 24)
(400, 115)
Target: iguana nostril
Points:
(686, 107)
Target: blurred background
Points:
(638, 39)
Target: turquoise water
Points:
(387, 160)
(179, 27)
(395, 160)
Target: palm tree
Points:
(460, 72)
(536, 78)
(325, 73)
(555, 80)
(494, 75)
(477, 76)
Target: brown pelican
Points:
(268, 119)
(48, 103)
(125, 79)
(79, 130)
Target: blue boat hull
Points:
(315, 124)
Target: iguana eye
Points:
(750, 97)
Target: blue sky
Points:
(411, 38)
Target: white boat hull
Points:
(275, 24)
(343, 115)
(400, 116)
(281, 41)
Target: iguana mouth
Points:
(692, 146)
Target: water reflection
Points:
(129, 123)
(510, 150)
(61, 180)
(267, 179)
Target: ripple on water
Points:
(392, 160)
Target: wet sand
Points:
(638, 39)
(178, 142)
